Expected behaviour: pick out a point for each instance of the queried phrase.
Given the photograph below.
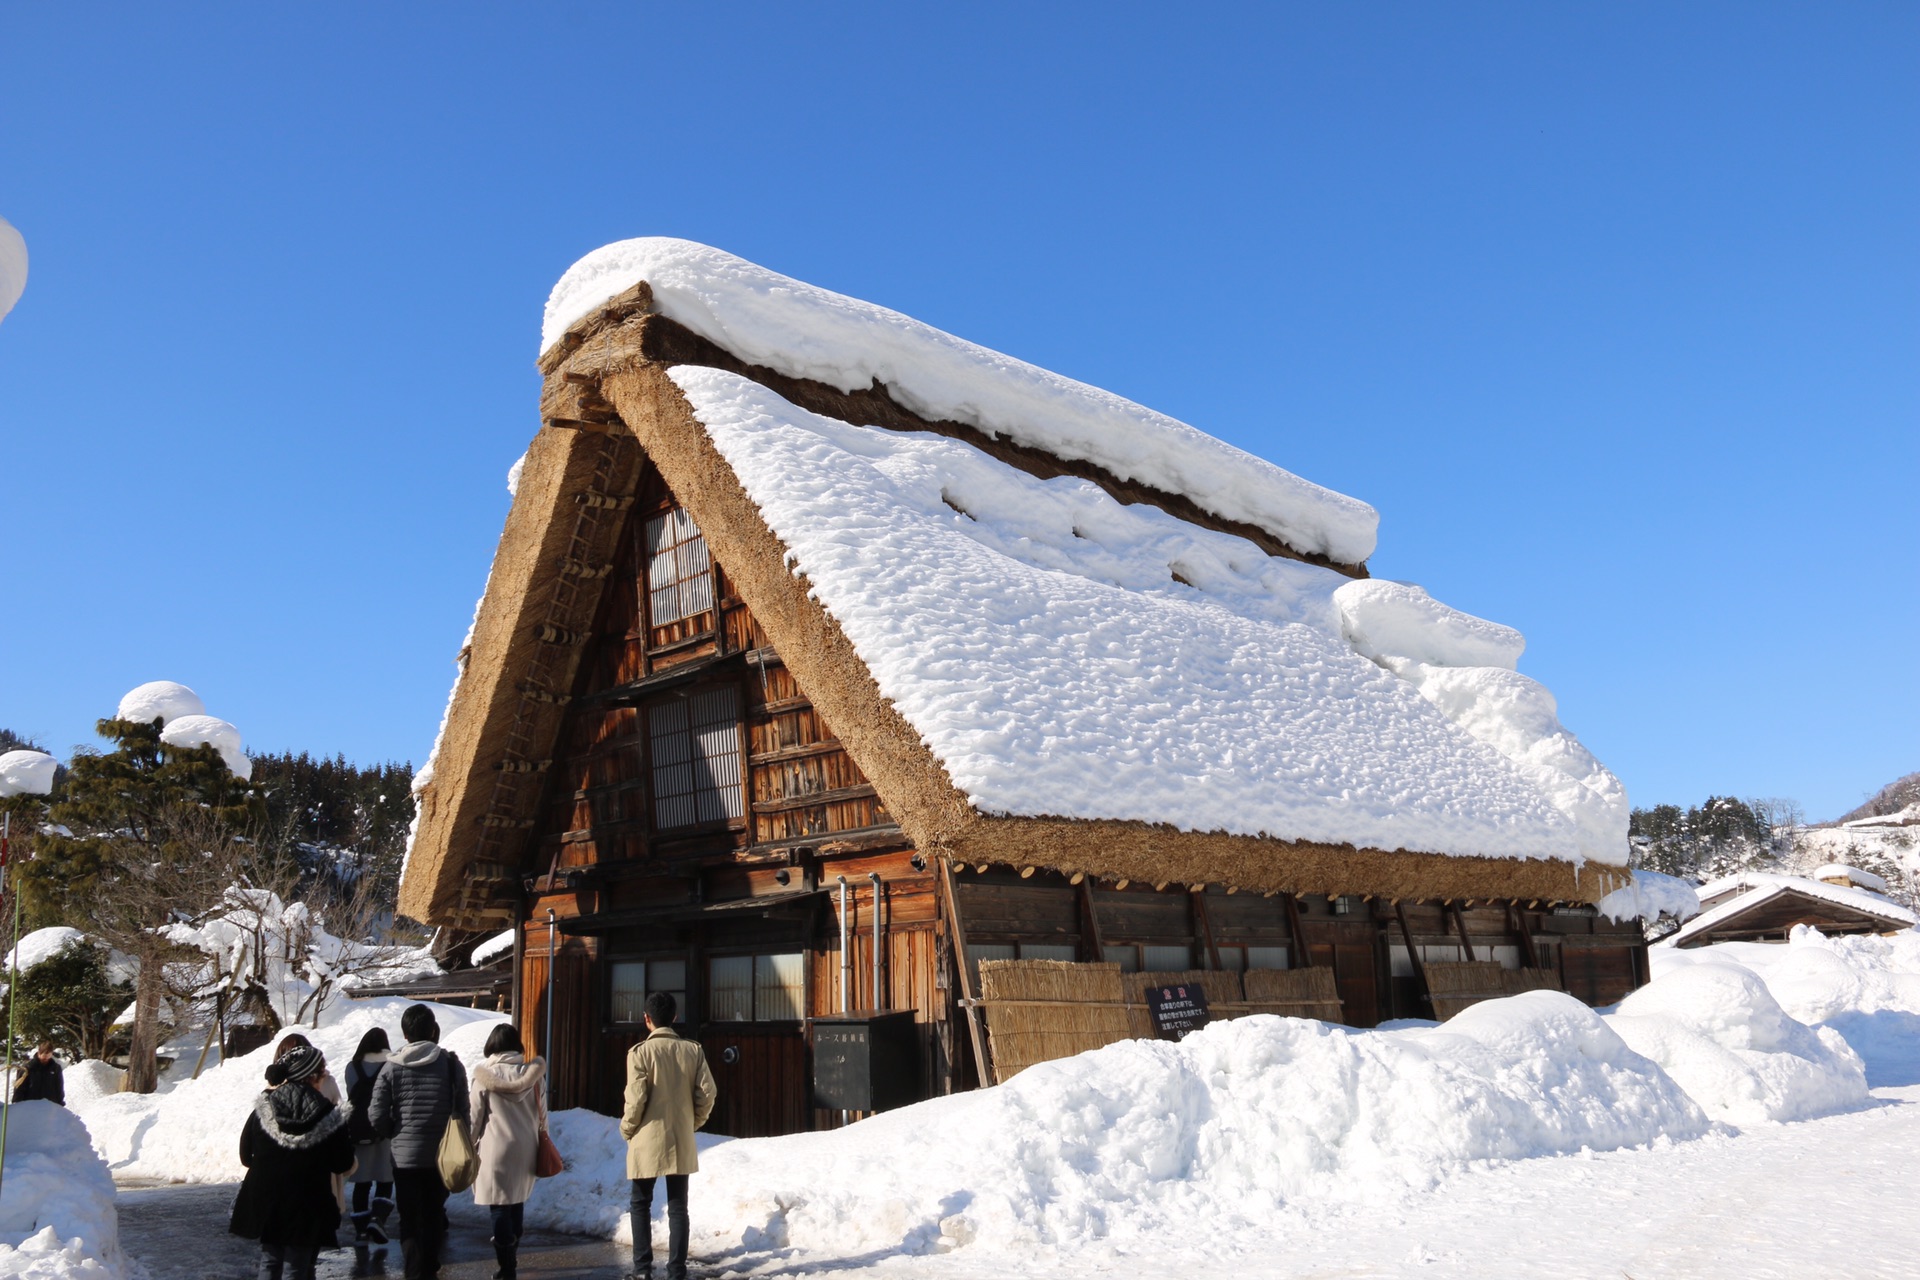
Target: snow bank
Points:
(57, 1214)
(1718, 1031)
(190, 1132)
(161, 700)
(1866, 988)
(1064, 654)
(42, 945)
(807, 332)
(210, 731)
(13, 266)
(27, 772)
(1650, 896)
(1145, 1138)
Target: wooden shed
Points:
(1765, 907)
(830, 663)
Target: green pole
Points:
(7, 885)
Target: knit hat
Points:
(302, 1062)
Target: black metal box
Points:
(865, 1061)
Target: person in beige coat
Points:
(670, 1094)
(509, 1115)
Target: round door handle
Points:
(730, 1054)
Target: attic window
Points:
(679, 574)
(696, 758)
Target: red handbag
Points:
(546, 1158)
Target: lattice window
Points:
(679, 574)
(696, 758)
(632, 981)
(756, 988)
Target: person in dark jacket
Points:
(292, 1146)
(40, 1079)
(373, 1168)
(416, 1093)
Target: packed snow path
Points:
(178, 1231)
(1821, 1196)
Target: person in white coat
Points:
(509, 1115)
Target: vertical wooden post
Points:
(988, 1076)
(1413, 954)
(1092, 945)
(1198, 899)
(1303, 957)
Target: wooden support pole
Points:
(1460, 923)
(1092, 945)
(988, 1076)
(1413, 954)
(1518, 923)
(1198, 898)
(1302, 957)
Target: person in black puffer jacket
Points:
(40, 1078)
(292, 1145)
(414, 1095)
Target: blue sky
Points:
(1611, 310)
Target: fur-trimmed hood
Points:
(509, 1073)
(297, 1117)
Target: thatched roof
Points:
(1034, 659)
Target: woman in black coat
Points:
(292, 1145)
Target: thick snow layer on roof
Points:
(1861, 879)
(807, 332)
(1650, 896)
(1751, 888)
(26, 772)
(1063, 654)
(210, 731)
(493, 948)
(161, 700)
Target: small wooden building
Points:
(1765, 907)
(826, 657)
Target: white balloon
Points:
(161, 700)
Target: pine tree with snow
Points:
(140, 835)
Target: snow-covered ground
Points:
(1718, 1123)
(56, 1201)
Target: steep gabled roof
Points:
(1033, 661)
(1731, 900)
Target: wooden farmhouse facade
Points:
(1768, 907)
(691, 751)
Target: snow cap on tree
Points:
(210, 731)
(26, 773)
(161, 700)
(13, 266)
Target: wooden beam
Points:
(1460, 922)
(1198, 898)
(1518, 923)
(1092, 945)
(1302, 956)
(1413, 954)
(958, 928)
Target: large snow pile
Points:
(1065, 654)
(1649, 896)
(191, 1130)
(26, 772)
(807, 332)
(1866, 988)
(1144, 1138)
(43, 945)
(1719, 1032)
(57, 1215)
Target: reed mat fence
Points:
(1458, 984)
